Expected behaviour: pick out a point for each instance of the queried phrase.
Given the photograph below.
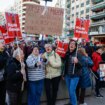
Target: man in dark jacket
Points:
(3, 59)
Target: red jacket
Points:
(96, 57)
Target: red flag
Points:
(13, 26)
(81, 28)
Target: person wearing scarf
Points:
(53, 74)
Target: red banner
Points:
(1, 36)
(62, 48)
(13, 25)
(81, 28)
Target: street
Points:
(90, 100)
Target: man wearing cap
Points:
(3, 59)
(96, 57)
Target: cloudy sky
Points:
(7, 3)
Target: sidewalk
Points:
(90, 100)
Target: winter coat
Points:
(14, 77)
(53, 68)
(3, 60)
(103, 56)
(96, 57)
(69, 65)
(85, 80)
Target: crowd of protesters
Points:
(32, 67)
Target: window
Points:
(73, 1)
(82, 12)
(82, 5)
(87, 10)
(87, 16)
(77, 13)
(72, 8)
(77, 6)
(72, 15)
(72, 22)
(87, 2)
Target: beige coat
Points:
(53, 67)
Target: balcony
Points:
(96, 33)
(98, 15)
(98, 23)
(97, 1)
(97, 30)
(98, 6)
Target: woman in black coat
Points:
(72, 71)
(14, 77)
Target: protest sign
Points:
(13, 25)
(51, 23)
(81, 28)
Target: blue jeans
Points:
(72, 85)
(35, 89)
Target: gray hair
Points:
(48, 45)
(16, 52)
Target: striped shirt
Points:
(35, 73)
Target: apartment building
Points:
(2, 19)
(20, 8)
(79, 9)
(97, 30)
(75, 9)
(67, 17)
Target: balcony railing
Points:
(97, 1)
(98, 15)
(102, 22)
(96, 33)
(100, 5)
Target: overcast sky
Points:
(7, 3)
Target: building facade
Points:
(61, 4)
(20, 8)
(75, 9)
(2, 19)
(97, 30)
